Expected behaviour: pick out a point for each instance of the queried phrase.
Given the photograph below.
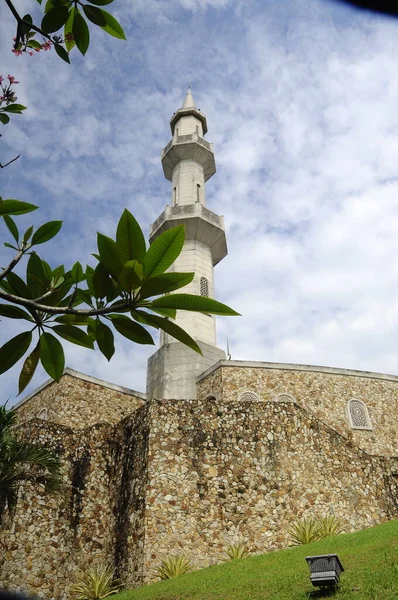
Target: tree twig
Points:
(11, 161)
(12, 264)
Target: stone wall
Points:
(97, 518)
(224, 472)
(79, 401)
(323, 391)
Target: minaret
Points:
(188, 162)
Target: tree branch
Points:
(64, 310)
(12, 264)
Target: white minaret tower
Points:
(188, 162)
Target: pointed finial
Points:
(189, 102)
(228, 353)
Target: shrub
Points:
(330, 525)
(235, 551)
(304, 531)
(97, 583)
(173, 567)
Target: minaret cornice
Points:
(190, 111)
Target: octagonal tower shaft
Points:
(188, 162)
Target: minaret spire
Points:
(189, 102)
(188, 162)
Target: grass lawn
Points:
(370, 560)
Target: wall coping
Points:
(84, 377)
(293, 367)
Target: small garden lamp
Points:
(325, 570)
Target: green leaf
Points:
(112, 26)
(109, 255)
(13, 312)
(4, 118)
(101, 281)
(14, 108)
(18, 286)
(84, 297)
(52, 355)
(73, 319)
(131, 275)
(46, 232)
(7, 245)
(24, 30)
(94, 15)
(131, 330)
(171, 328)
(74, 334)
(13, 350)
(16, 207)
(62, 53)
(29, 368)
(165, 312)
(34, 44)
(27, 234)
(36, 276)
(165, 283)
(77, 273)
(105, 340)
(12, 228)
(55, 18)
(80, 33)
(68, 30)
(100, 2)
(193, 303)
(130, 240)
(164, 251)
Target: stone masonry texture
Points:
(144, 480)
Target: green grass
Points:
(370, 560)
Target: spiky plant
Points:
(173, 567)
(330, 525)
(304, 531)
(235, 551)
(22, 461)
(96, 583)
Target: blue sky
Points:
(301, 101)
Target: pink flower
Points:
(30, 52)
(17, 53)
(1, 79)
(46, 46)
(11, 79)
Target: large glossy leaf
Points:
(164, 251)
(105, 340)
(13, 350)
(54, 19)
(101, 281)
(29, 368)
(12, 228)
(131, 275)
(109, 254)
(14, 108)
(74, 334)
(68, 30)
(15, 207)
(77, 273)
(13, 312)
(165, 283)
(81, 33)
(130, 240)
(36, 276)
(18, 286)
(100, 2)
(171, 328)
(46, 232)
(131, 330)
(165, 312)
(193, 303)
(62, 53)
(94, 15)
(72, 319)
(112, 26)
(52, 355)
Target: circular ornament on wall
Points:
(284, 397)
(358, 414)
(249, 397)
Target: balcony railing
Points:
(186, 139)
(192, 210)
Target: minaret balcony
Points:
(188, 147)
(201, 224)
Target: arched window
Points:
(204, 286)
(211, 398)
(175, 196)
(249, 397)
(197, 192)
(42, 414)
(358, 415)
(283, 397)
